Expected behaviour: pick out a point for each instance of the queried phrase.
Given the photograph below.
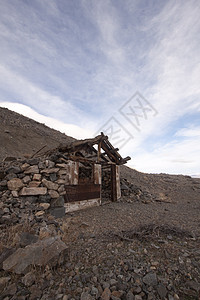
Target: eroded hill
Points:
(20, 135)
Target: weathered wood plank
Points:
(72, 173)
(97, 174)
(113, 183)
(78, 205)
(99, 151)
(118, 182)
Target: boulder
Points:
(65, 166)
(13, 169)
(37, 177)
(39, 213)
(15, 194)
(31, 170)
(61, 188)
(45, 206)
(53, 194)
(53, 177)
(24, 167)
(61, 181)
(33, 161)
(150, 279)
(3, 183)
(106, 294)
(33, 191)
(58, 202)
(58, 212)
(26, 238)
(49, 184)
(39, 254)
(10, 176)
(15, 184)
(49, 171)
(34, 183)
(162, 291)
(26, 179)
(49, 163)
(62, 172)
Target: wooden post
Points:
(72, 173)
(97, 173)
(113, 183)
(118, 182)
(99, 152)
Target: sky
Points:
(128, 68)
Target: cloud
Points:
(176, 156)
(189, 132)
(69, 129)
(173, 65)
(21, 90)
(79, 63)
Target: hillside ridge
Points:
(21, 135)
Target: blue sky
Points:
(128, 67)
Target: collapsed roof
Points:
(90, 150)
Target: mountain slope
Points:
(144, 246)
(20, 135)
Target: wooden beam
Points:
(81, 159)
(113, 183)
(124, 160)
(110, 155)
(118, 187)
(80, 143)
(99, 152)
(112, 150)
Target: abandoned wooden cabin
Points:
(86, 160)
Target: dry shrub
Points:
(10, 234)
(153, 231)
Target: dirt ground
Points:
(139, 248)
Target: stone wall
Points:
(33, 185)
(106, 184)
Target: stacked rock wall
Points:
(31, 186)
(106, 184)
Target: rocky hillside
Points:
(21, 136)
(143, 247)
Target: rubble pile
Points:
(131, 193)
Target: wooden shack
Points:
(85, 160)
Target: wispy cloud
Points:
(79, 62)
(67, 128)
(189, 132)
